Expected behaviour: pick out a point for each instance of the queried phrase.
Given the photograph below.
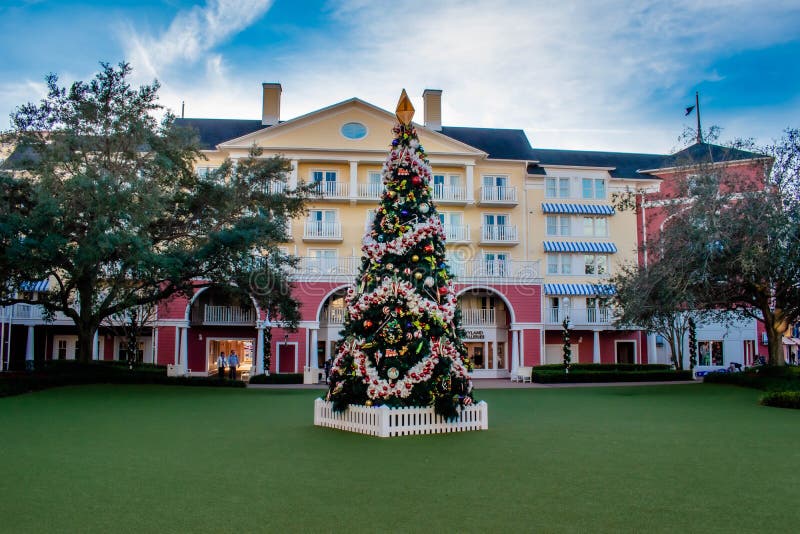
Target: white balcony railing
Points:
(456, 233)
(27, 311)
(449, 193)
(332, 189)
(322, 230)
(497, 233)
(335, 315)
(579, 316)
(228, 315)
(499, 194)
(494, 270)
(312, 266)
(370, 190)
(479, 317)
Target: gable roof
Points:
(499, 143)
(706, 153)
(215, 131)
(623, 164)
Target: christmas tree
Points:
(401, 342)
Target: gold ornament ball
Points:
(418, 275)
(415, 258)
(369, 402)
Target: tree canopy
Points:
(106, 204)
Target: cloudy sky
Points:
(603, 74)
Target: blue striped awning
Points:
(580, 209)
(40, 286)
(579, 246)
(580, 289)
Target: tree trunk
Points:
(775, 328)
(85, 342)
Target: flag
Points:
(689, 110)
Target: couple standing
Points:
(232, 362)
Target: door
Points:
(286, 358)
(626, 352)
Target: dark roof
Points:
(498, 143)
(625, 164)
(215, 131)
(705, 153)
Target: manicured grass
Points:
(159, 459)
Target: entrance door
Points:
(286, 358)
(626, 352)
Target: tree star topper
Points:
(405, 111)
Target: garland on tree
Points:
(692, 343)
(567, 348)
(401, 343)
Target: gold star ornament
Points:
(405, 111)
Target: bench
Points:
(523, 374)
(177, 370)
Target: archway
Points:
(486, 317)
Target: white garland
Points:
(394, 288)
(402, 243)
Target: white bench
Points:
(523, 374)
(177, 370)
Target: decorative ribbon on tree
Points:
(401, 343)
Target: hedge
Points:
(764, 378)
(283, 378)
(782, 399)
(580, 376)
(605, 367)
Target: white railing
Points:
(335, 315)
(385, 422)
(478, 317)
(500, 194)
(228, 315)
(322, 230)
(599, 316)
(27, 311)
(311, 266)
(332, 189)
(456, 232)
(490, 270)
(370, 190)
(499, 233)
(449, 193)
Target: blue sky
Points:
(605, 75)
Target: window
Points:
(595, 264)
(557, 187)
(559, 264)
(595, 226)
(325, 259)
(370, 218)
(495, 263)
(492, 219)
(593, 188)
(710, 353)
(326, 181)
(322, 216)
(122, 353)
(558, 225)
(374, 177)
(495, 181)
(62, 349)
(354, 130)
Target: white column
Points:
(470, 172)
(353, 180)
(494, 353)
(521, 344)
(29, 348)
(293, 174)
(184, 353)
(596, 347)
(514, 351)
(260, 350)
(95, 346)
(312, 353)
(177, 344)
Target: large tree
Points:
(734, 234)
(105, 203)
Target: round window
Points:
(354, 130)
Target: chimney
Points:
(433, 108)
(271, 106)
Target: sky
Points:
(611, 75)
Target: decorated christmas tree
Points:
(401, 343)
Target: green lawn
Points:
(159, 459)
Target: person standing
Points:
(221, 364)
(233, 362)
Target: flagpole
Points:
(697, 108)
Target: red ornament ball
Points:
(443, 290)
(428, 248)
(416, 180)
(367, 323)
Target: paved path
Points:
(499, 383)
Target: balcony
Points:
(498, 195)
(27, 312)
(449, 194)
(370, 191)
(495, 271)
(471, 317)
(334, 316)
(311, 268)
(456, 233)
(332, 190)
(496, 234)
(229, 316)
(579, 316)
(322, 231)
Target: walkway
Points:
(500, 383)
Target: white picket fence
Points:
(385, 422)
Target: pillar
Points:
(312, 351)
(29, 349)
(96, 346)
(652, 356)
(470, 185)
(494, 354)
(514, 351)
(184, 352)
(596, 347)
(260, 350)
(293, 174)
(353, 180)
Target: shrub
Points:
(551, 376)
(282, 378)
(605, 367)
(763, 378)
(782, 399)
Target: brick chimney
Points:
(433, 108)
(271, 105)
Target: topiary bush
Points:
(782, 399)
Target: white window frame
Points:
(558, 183)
